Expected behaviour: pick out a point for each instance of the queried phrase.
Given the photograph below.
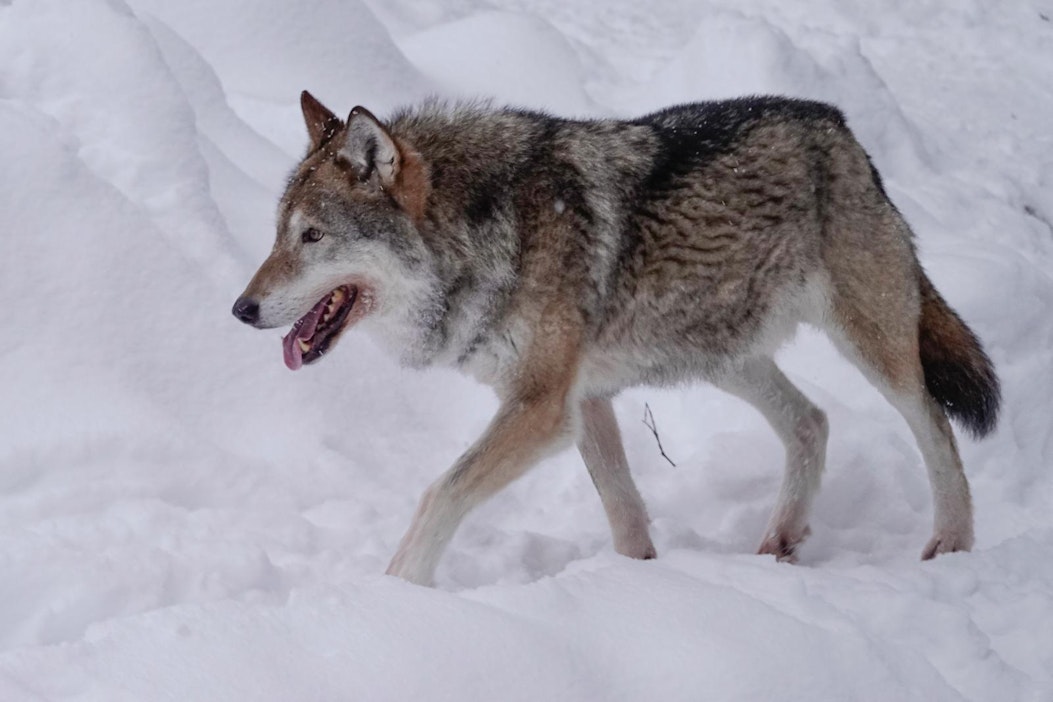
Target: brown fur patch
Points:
(320, 120)
(412, 184)
(534, 410)
(890, 351)
(281, 265)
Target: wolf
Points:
(561, 261)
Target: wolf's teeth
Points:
(304, 346)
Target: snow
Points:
(182, 518)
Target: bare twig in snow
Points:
(648, 420)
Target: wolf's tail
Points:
(958, 374)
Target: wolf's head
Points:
(347, 245)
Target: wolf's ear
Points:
(369, 148)
(321, 122)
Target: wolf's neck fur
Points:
(470, 224)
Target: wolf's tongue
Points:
(303, 328)
(293, 354)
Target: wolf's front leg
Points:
(538, 416)
(517, 438)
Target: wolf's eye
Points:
(312, 235)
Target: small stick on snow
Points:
(648, 420)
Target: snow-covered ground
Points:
(182, 518)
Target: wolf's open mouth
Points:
(313, 334)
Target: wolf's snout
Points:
(247, 310)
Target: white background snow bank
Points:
(182, 518)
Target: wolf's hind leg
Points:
(601, 449)
(877, 303)
(891, 361)
(803, 429)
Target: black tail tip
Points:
(970, 394)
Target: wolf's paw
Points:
(405, 567)
(783, 544)
(948, 541)
(637, 545)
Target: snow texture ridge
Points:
(182, 518)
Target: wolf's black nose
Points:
(247, 310)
